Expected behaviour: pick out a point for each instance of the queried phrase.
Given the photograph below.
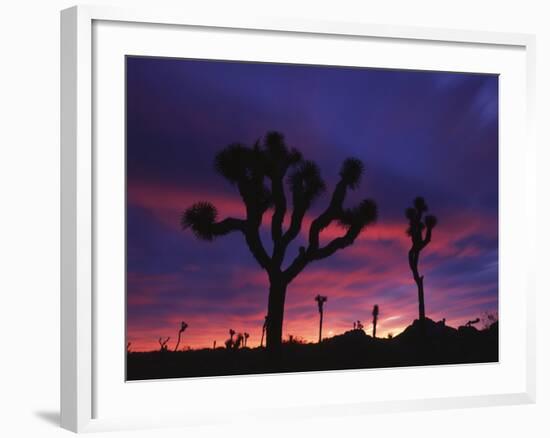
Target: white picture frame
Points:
(79, 197)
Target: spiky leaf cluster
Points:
(200, 218)
(305, 182)
(360, 216)
(351, 172)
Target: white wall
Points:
(29, 218)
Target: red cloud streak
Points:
(383, 279)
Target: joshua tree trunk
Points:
(321, 300)
(320, 326)
(375, 313)
(264, 327)
(275, 315)
(419, 280)
(178, 343)
(420, 285)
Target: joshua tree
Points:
(238, 341)
(321, 300)
(214, 346)
(246, 336)
(229, 343)
(375, 312)
(163, 344)
(359, 325)
(264, 328)
(474, 321)
(128, 345)
(420, 231)
(182, 329)
(259, 173)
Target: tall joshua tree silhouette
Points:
(246, 336)
(420, 232)
(321, 300)
(375, 312)
(183, 326)
(259, 173)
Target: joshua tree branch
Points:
(254, 214)
(279, 200)
(298, 264)
(296, 220)
(427, 238)
(332, 212)
(227, 226)
(201, 218)
(299, 210)
(277, 219)
(337, 244)
(252, 236)
(310, 254)
(306, 185)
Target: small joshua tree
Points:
(260, 173)
(238, 341)
(420, 231)
(321, 300)
(472, 322)
(183, 326)
(164, 344)
(246, 336)
(375, 312)
(229, 343)
(359, 325)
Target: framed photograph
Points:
(253, 208)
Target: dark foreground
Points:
(439, 345)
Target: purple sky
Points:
(418, 133)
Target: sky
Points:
(418, 133)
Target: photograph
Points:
(285, 218)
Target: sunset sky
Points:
(418, 133)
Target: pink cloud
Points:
(384, 279)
